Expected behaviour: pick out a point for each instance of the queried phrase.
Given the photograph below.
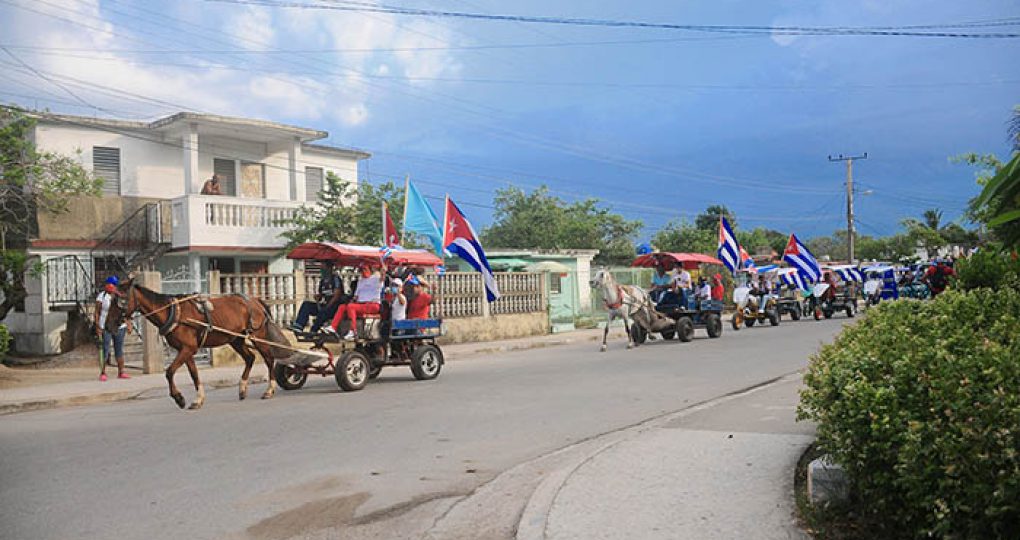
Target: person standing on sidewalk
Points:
(111, 330)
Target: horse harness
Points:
(619, 296)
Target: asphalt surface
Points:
(391, 461)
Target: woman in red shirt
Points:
(418, 305)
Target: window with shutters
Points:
(313, 183)
(227, 169)
(106, 165)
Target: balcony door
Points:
(253, 182)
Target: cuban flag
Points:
(459, 238)
(795, 278)
(390, 235)
(729, 250)
(746, 261)
(850, 274)
(800, 257)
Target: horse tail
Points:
(275, 335)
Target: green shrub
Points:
(990, 268)
(920, 403)
(5, 340)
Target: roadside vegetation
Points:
(919, 402)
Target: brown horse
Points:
(187, 323)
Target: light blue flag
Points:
(420, 219)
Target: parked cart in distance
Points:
(380, 340)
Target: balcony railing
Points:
(221, 221)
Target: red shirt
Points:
(418, 307)
(718, 291)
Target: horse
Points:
(192, 322)
(623, 301)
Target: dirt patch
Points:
(309, 517)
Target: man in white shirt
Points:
(110, 330)
(398, 302)
(683, 284)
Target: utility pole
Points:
(850, 229)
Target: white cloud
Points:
(252, 28)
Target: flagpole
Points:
(403, 226)
(384, 239)
(446, 215)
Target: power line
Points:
(338, 5)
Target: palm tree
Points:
(1013, 129)
(932, 218)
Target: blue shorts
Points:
(118, 343)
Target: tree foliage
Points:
(709, 219)
(345, 214)
(538, 220)
(31, 181)
(685, 237)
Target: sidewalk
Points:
(90, 390)
(719, 471)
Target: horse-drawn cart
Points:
(683, 307)
(381, 341)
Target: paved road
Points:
(390, 461)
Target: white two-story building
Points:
(152, 205)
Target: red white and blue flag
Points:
(799, 257)
(459, 238)
(390, 235)
(746, 261)
(729, 250)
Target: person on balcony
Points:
(365, 302)
(109, 329)
(327, 299)
(212, 186)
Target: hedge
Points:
(920, 403)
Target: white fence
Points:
(456, 294)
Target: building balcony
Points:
(216, 221)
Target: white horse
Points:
(623, 301)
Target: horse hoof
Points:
(630, 346)
(179, 399)
(196, 405)
(602, 348)
(241, 396)
(267, 395)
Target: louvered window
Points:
(227, 170)
(106, 165)
(313, 183)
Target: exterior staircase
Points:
(72, 282)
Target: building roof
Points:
(214, 121)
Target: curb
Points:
(534, 519)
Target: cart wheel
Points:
(426, 362)
(685, 329)
(288, 377)
(827, 313)
(668, 334)
(352, 371)
(637, 333)
(713, 324)
(375, 371)
(736, 320)
(795, 313)
(749, 322)
(773, 317)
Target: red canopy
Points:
(348, 255)
(690, 261)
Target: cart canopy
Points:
(689, 261)
(350, 255)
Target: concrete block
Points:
(33, 304)
(826, 481)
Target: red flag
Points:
(390, 235)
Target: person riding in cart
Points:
(365, 302)
(662, 282)
(328, 298)
(937, 277)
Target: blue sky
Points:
(657, 123)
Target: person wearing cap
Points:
(365, 302)
(398, 302)
(418, 305)
(717, 288)
(109, 330)
(704, 290)
(328, 298)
